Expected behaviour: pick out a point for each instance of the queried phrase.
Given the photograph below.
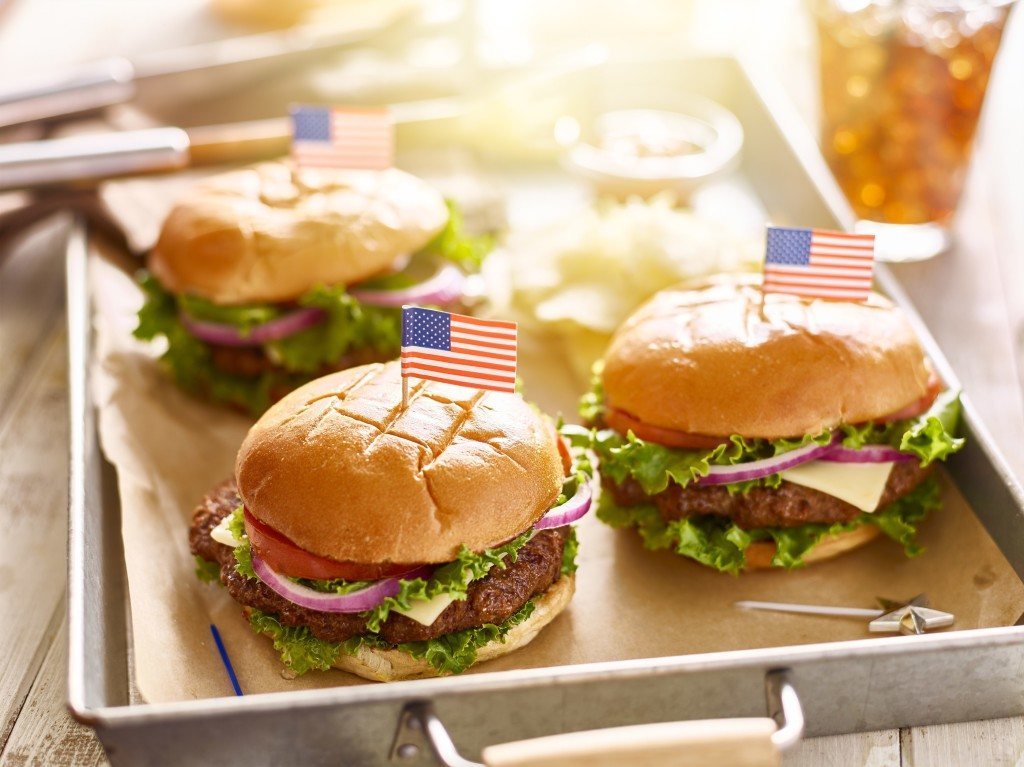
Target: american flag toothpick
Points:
(357, 138)
(818, 263)
(457, 349)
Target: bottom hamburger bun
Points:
(380, 665)
(759, 554)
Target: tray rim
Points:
(804, 148)
(518, 679)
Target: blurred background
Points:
(893, 90)
(917, 107)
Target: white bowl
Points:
(647, 151)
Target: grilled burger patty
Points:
(492, 599)
(788, 505)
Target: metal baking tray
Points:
(842, 686)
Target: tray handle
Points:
(746, 742)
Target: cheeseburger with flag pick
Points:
(748, 429)
(396, 541)
(267, 277)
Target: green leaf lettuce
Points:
(569, 553)
(300, 650)
(206, 571)
(930, 437)
(349, 325)
(653, 466)
(448, 654)
(455, 244)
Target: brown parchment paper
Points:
(630, 603)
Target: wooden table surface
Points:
(972, 298)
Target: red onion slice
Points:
(866, 454)
(229, 335)
(353, 602)
(568, 512)
(443, 288)
(742, 472)
(834, 451)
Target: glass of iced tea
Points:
(902, 85)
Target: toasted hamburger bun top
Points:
(271, 232)
(342, 470)
(716, 357)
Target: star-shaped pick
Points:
(911, 617)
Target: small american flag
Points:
(342, 137)
(456, 349)
(819, 263)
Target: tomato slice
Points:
(287, 558)
(623, 422)
(565, 453)
(915, 409)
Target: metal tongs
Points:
(91, 157)
(60, 166)
(98, 85)
(117, 80)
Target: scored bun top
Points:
(715, 357)
(342, 470)
(271, 232)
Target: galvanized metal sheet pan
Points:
(844, 686)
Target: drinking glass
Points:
(902, 86)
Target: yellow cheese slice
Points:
(427, 612)
(859, 484)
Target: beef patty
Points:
(492, 599)
(788, 505)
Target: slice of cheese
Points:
(222, 533)
(427, 612)
(859, 484)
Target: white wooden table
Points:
(973, 300)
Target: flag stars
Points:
(791, 247)
(311, 124)
(426, 327)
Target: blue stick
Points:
(227, 661)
